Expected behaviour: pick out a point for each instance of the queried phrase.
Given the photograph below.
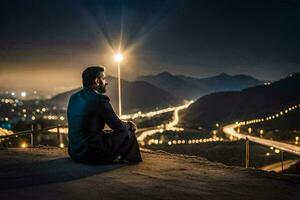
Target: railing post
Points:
(59, 136)
(281, 161)
(247, 153)
(31, 135)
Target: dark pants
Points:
(106, 147)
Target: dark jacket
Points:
(88, 112)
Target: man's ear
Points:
(97, 81)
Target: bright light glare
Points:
(23, 94)
(23, 145)
(119, 57)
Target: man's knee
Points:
(123, 135)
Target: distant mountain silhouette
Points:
(136, 95)
(175, 85)
(241, 105)
(191, 88)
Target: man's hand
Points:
(132, 126)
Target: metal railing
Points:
(32, 132)
(229, 130)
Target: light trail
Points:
(230, 130)
(4, 132)
(149, 114)
(168, 126)
(176, 116)
(277, 167)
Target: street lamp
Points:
(249, 130)
(118, 58)
(261, 132)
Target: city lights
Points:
(249, 130)
(24, 145)
(261, 132)
(271, 117)
(23, 94)
(182, 142)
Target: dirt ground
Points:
(48, 173)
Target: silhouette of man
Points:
(88, 112)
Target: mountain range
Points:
(262, 100)
(163, 90)
(187, 87)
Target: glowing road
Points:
(278, 167)
(230, 130)
(168, 126)
(149, 114)
(4, 132)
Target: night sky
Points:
(46, 44)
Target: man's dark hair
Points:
(90, 74)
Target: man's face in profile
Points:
(101, 83)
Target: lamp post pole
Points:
(118, 59)
(119, 89)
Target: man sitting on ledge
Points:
(88, 111)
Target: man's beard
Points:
(101, 89)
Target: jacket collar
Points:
(91, 89)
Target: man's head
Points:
(94, 77)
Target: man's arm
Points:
(110, 117)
